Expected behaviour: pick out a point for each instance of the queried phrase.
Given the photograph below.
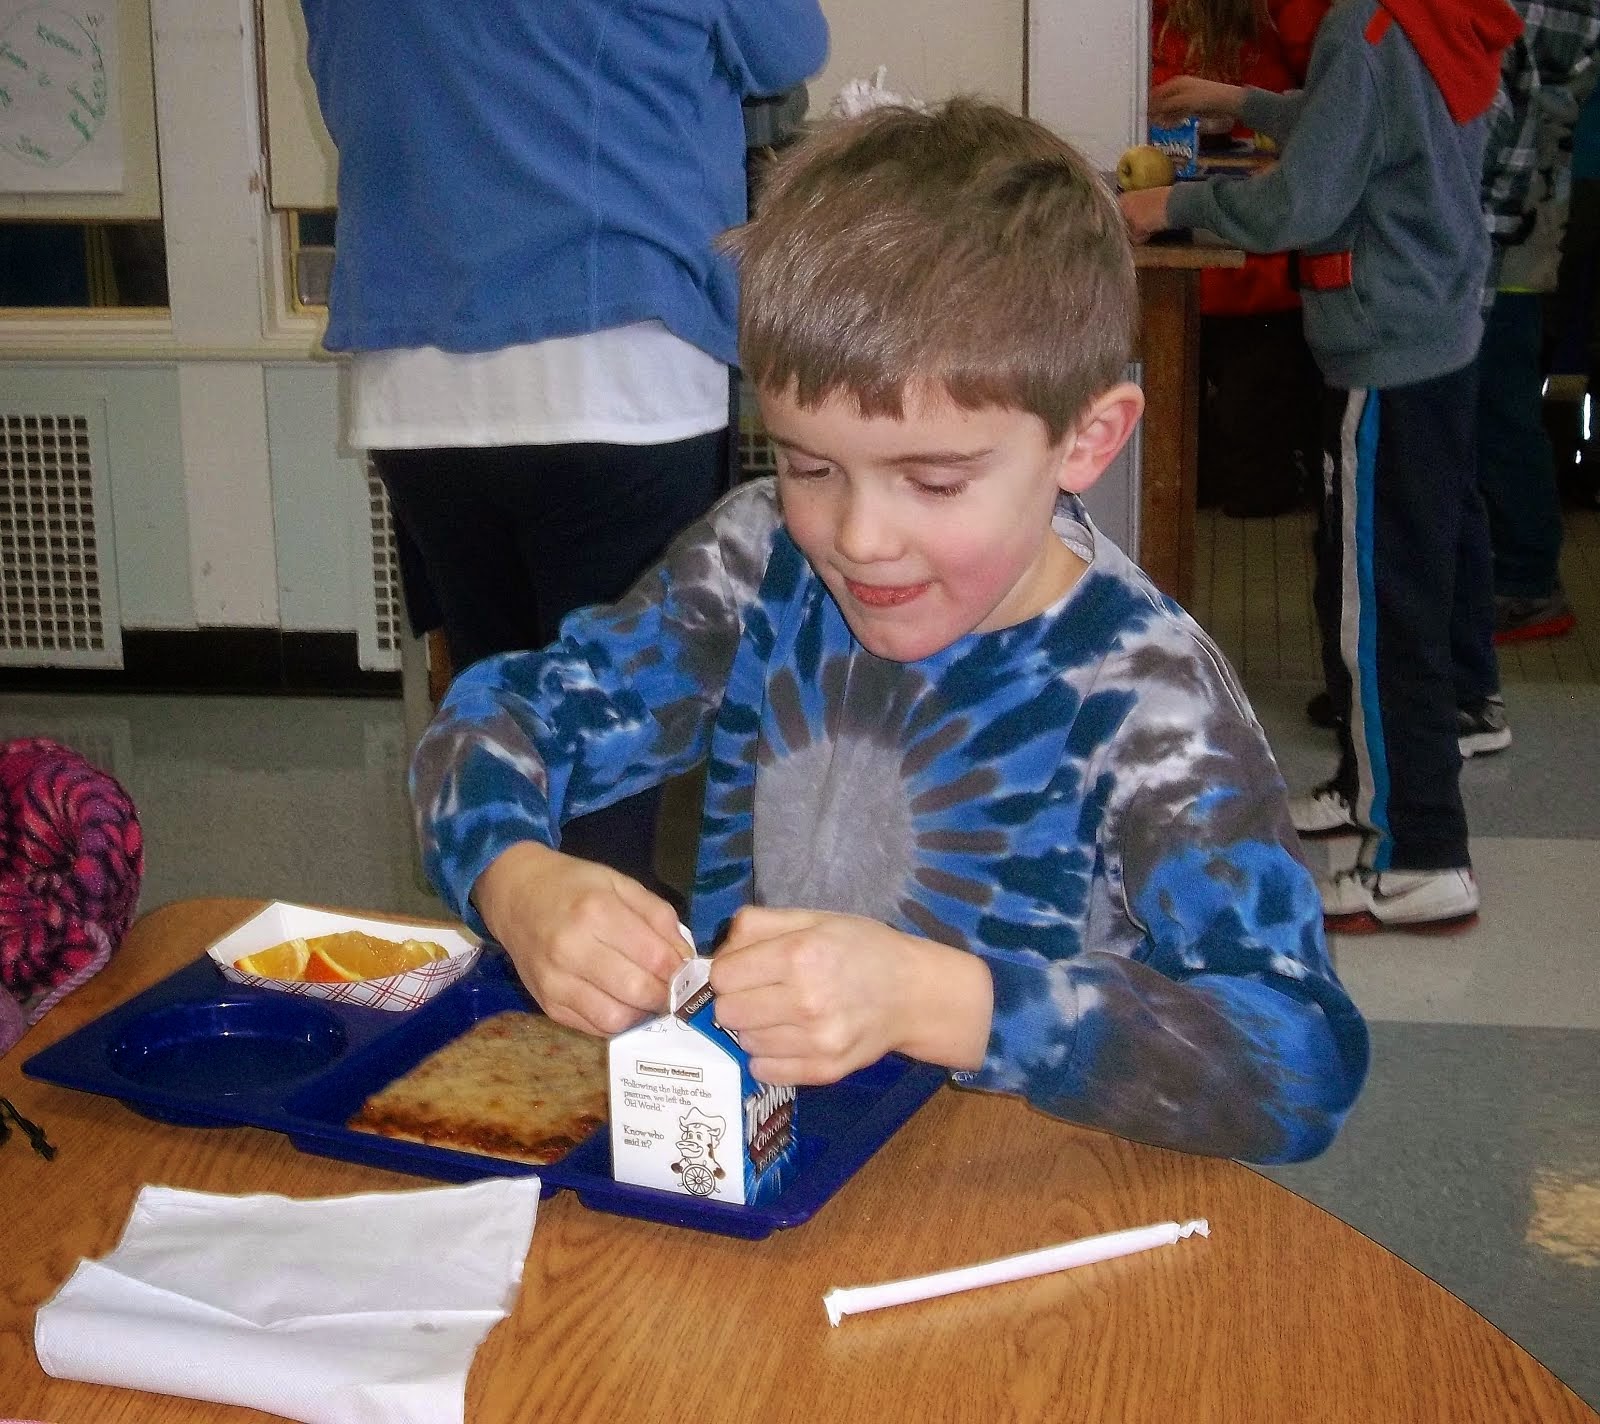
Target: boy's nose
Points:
(865, 532)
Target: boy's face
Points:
(926, 528)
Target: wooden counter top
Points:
(1185, 256)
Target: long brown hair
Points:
(1218, 31)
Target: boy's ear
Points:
(1102, 430)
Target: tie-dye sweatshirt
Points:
(1084, 800)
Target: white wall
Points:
(1088, 70)
(933, 48)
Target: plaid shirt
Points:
(1544, 72)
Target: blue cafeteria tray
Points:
(199, 1051)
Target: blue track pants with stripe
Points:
(1405, 606)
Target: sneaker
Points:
(1483, 727)
(1323, 811)
(1320, 713)
(1519, 620)
(1365, 901)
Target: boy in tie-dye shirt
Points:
(976, 791)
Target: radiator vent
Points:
(57, 583)
(388, 604)
(756, 456)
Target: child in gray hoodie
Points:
(1377, 194)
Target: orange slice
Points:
(350, 955)
(282, 961)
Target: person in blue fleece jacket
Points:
(976, 791)
(539, 327)
(1378, 192)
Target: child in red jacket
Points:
(1260, 390)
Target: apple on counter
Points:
(1145, 167)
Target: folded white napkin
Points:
(346, 1310)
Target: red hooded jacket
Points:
(1461, 43)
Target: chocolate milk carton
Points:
(686, 1115)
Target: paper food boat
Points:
(280, 921)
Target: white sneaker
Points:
(1322, 811)
(1483, 728)
(1362, 901)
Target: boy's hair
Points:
(965, 248)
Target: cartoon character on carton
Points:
(698, 1136)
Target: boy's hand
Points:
(1174, 101)
(1145, 211)
(814, 996)
(595, 948)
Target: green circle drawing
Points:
(54, 91)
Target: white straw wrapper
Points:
(852, 1300)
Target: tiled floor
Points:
(1474, 1152)
(1253, 593)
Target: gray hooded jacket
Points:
(1372, 162)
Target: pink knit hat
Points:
(71, 861)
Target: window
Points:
(82, 265)
(310, 258)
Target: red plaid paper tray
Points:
(280, 921)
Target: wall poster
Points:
(60, 123)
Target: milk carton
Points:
(686, 1115)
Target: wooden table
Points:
(1284, 1315)
(1169, 348)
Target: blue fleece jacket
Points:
(511, 170)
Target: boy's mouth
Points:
(884, 595)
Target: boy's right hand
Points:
(1174, 101)
(595, 948)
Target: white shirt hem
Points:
(412, 437)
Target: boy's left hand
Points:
(814, 996)
(1145, 211)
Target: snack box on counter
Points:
(208, 1046)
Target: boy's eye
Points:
(804, 472)
(937, 491)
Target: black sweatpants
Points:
(513, 538)
(1405, 608)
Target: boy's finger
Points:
(756, 923)
(799, 1071)
(753, 1010)
(615, 970)
(610, 1007)
(740, 968)
(655, 941)
(561, 1014)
